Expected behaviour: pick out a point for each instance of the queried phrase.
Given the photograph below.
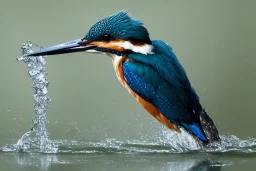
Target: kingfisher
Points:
(149, 70)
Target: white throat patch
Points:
(143, 49)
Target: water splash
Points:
(165, 142)
(36, 140)
(183, 141)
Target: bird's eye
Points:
(106, 37)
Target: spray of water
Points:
(37, 139)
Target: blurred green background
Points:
(214, 41)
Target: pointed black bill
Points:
(78, 45)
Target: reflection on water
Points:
(37, 161)
(116, 162)
(207, 165)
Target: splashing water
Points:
(164, 141)
(36, 140)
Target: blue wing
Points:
(161, 80)
(147, 83)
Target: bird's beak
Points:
(78, 45)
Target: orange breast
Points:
(118, 61)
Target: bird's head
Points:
(117, 34)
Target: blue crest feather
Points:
(120, 26)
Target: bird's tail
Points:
(204, 129)
(208, 127)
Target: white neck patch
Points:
(143, 49)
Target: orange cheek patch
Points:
(148, 106)
(109, 45)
